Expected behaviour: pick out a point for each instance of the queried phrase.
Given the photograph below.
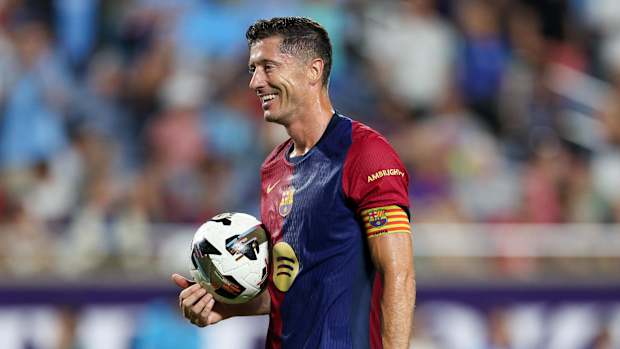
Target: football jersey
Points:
(324, 289)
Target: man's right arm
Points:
(201, 309)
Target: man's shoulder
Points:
(366, 139)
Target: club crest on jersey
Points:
(286, 203)
(377, 218)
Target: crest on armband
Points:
(377, 218)
(385, 220)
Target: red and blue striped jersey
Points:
(323, 286)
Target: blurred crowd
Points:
(118, 114)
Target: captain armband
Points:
(385, 220)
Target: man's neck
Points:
(306, 130)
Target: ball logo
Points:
(286, 203)
(286, 266)
(247, 244)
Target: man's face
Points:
(279, 79)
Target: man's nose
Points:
(257, 80)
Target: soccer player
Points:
(334, 201)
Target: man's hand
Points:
(197, 305)
(201, 309)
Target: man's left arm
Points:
(392, 255)
(375, 179)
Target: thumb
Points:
(181, 281)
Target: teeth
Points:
(268, 97)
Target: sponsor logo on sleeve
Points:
(385, 173)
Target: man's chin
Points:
(278, 118)
(270, 117)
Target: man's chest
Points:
(297, 197)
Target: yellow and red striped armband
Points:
(385, 220)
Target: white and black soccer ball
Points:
(230, 257)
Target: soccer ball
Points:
(229, 256)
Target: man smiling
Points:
(342, 271)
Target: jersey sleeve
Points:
(373, 174)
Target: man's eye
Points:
(269, 67)
(251, 70)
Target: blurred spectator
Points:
(582, 202)
(76, 22)
(86, 243)
(26, 244)
(454, 147)
(131, 232)
(146, 75)
(482, 59)
(32, 128)
(606, 162)
(543, 180)
(51, 196)
(603, 17)
(86, 246)
(412, 49)
(8, 65)
(213, 30)
(101, 109)
(176, 148)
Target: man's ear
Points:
(315, 71)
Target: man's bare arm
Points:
(392, 255)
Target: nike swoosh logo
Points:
(271, 186)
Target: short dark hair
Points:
(300, 36)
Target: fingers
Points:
(184, 297)
(201, 305)
(181, 281)
(203, 308)
(189, 297)
(196, 305)
(206, 312)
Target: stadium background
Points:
(124, 124)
